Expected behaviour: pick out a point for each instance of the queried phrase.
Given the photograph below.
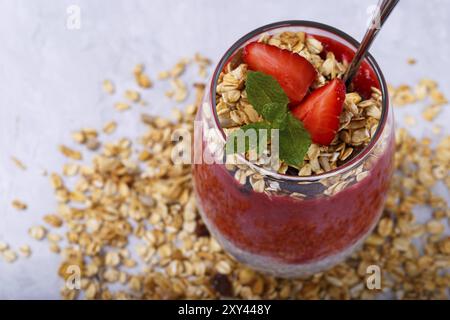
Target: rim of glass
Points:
(320, 26)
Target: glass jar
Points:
(291, 226)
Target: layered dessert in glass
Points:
(312, 208)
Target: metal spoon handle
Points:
(385, 8)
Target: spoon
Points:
(384, 9)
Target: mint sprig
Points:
(263, 89)
(275, 114)
(271, 102)
(294, 141)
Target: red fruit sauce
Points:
(290, 230)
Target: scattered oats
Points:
(203, 64)
(91, 291)
(410, 120)
(177, 114)
(53, 237)
(223, 267)
(108, 87)
(385, 227)
(163, 75)
(436, 129)
(70, 169)
(202, 72)
(139, 68)
(79, 137)
(180, 91)
(70, 153)
(141, 78)
(9, 256)
(37, 232)
(202, 60)
(110, 127)
(178, 69)
(25, 250)
(435, 227)
(3, 246)
(19, 205)
(112, 259)
(129, 263)
(111, 275)
(403, 95)
(19, 164)
(122, 106)
(429, 84)
(402, 244)
(89, 133)
(411, 61)
(132, 95)
(53, 220)
(56, 181)
(246, 276)
(93, 144)
(431, 112)
(421, 92)
(438, 97)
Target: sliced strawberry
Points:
(365, 79)
(320, 111)
(293, 72)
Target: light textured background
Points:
(50, 82)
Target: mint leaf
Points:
(276, 114)
(247, 138)
(269, 100)
(263, 89)
(294, 141)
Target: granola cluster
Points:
(358, 121)
(426, 91)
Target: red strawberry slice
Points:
(320, 111)
(365, 79)
(293, 72)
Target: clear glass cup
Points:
(299, 225)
